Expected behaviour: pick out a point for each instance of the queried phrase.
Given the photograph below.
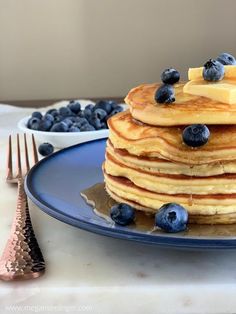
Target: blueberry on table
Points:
(172, 217)
(170, 76)
(122, 214)
(226, 59)
(74, 106)
(196, 135)
(37, 114)
(33, 123)
(45, 149)
(213, 71)
(59, 127)
(165, 94)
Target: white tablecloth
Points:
(88, 273)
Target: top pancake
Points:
(187, 108)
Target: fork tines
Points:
(20, 174)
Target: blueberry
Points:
(65, 111)
(172, 217)
(58, 118)
(226, 59)
(170, 76)
(81, 114)
(33, 123)
(90, 107)
(196, 135)
(86, 128)
(59, 127)
(122, 214)
(87, 113)
(165, 94)
(68, 122)
(113, 103)
(74, 106)
(53, 112)
(100, 113)
(213, 70)
(37, 114)
(104, 125)
(45, 125)
(45, 149)
(95, 122)
(48, 116)
(81, 122)
(74, 129)
(104, 105)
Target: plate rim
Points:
(165, 239)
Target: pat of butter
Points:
(196, 73)
(222, 91)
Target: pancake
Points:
(187, 108)
(159, 165)
(166, 142)
(203, 209)
(171, 184)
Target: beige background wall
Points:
(95, 48)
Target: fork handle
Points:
(22, 257)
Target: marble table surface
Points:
(89, 273)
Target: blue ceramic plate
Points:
(54, 185)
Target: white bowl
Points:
(60, 139)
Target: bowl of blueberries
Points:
(72, 123)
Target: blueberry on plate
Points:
(45, 149)
(74, 106)
(165, 94)
(86, 128)
(37, 114)
(59, 127)
(122, 214)
(172, 217)
(113, 104)
(33, 123)
(213, 71)
(100, 113)
(196, 135)
(90, 107)
(45, 125)
(226, 59)
(170, 76)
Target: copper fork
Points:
(22, 257)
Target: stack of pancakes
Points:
(147, 164)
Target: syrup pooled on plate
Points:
(97, 197)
